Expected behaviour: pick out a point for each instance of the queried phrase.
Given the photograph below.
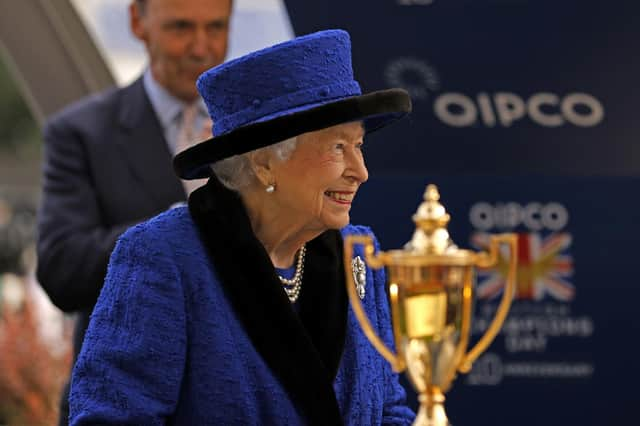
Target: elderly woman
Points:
(234, 311)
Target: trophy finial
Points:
(431, 193)
(431, 296)
(431, 219)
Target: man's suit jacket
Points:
(107, 166)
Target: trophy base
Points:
(431, 411)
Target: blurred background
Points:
(524, 115)
(90, 42)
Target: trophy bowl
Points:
(431, 292)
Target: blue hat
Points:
(295, 87)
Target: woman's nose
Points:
(356, 169)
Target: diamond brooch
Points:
(359, 275)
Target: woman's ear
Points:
(261, 165)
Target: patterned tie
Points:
(190, 135)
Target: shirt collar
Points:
(166, 106)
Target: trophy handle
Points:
(484, 260)
(375, 262)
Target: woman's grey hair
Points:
(236, 172)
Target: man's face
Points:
(184, 38)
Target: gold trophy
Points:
(431, 286)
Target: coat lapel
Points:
(304, 350)
(143, 144)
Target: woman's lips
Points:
(341, 197)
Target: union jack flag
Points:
(542, 268)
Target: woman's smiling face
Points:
(318, 182)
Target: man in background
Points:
(107, 162)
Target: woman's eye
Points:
(339, 147)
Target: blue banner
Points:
(563, 356)
(524, 118)
(498, 86)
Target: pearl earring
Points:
(270, 188)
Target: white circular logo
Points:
(487, 370)
(414, 75)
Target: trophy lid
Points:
(431, 236)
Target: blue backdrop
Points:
(523, 116)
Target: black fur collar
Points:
(302, 349)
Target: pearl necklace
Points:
(292, 286)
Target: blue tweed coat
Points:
(192, 328)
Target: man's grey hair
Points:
(142, 5)
(236, 172)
